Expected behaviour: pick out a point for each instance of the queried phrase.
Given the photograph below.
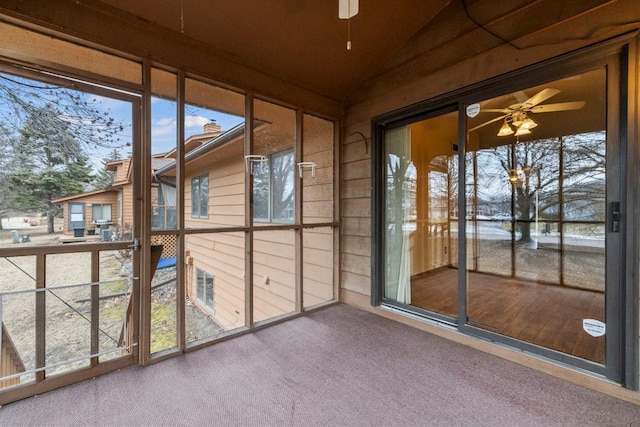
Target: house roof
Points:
(212, 144)
(81, 195)
(159, 163)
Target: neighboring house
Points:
(97, 208)
(215, 198)
(112, 207)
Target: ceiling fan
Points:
(516, 115)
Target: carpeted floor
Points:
(339, 367)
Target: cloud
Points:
(195, 121)
(166, 121)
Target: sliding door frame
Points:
(621, 294)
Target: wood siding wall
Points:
(221, 255)
(110, 198)
(274, 252)
(274, 273)
(226, 195)
(317, 267)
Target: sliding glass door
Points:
(421, 183)
(503, 215)
(536, 215)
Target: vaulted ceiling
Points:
(304, 42)
(301, 41)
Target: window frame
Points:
(101, 206)
(197, 210)
(268, 163)
(202, 278)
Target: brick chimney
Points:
(213, 128)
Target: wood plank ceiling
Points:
(303, 42)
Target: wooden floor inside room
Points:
(546, 315)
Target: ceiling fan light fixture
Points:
(505, 130)
(522, 131)
(528, 123)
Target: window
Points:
(273, 199)
(164, 215)
(101, 212)
(205, 288)
(200, 196)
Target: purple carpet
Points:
(339, 367)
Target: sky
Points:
(163, 120)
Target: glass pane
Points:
(17, 274)
(209, 291)
(164, 141)
(66, 308)
(274, 138)
(274, 278)
(164, 138)
(261, 191)
(215, 284)
(163, 293)
(317, 182)
(535, 214)
(421, 183)
(214, 151)
(200, 285)
(282, 173)
(115, 299)
(318, 272)
(204, 196)
(60, 153)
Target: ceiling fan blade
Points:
(539, 97)
(562, 106)
(520, 96)
(488, 123)
(495, 110)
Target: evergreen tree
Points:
(104, 177)
(50, 163)
(6, 166)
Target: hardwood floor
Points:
(546, 315)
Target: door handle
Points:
(615, 217)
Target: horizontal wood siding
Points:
(221, 255)
(226, 195)
(273, 258)
(317, 268)
(127, 207)
(317, 191)
(110, 198)
(355, 229)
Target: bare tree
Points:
(565, 176)
(46, 136)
